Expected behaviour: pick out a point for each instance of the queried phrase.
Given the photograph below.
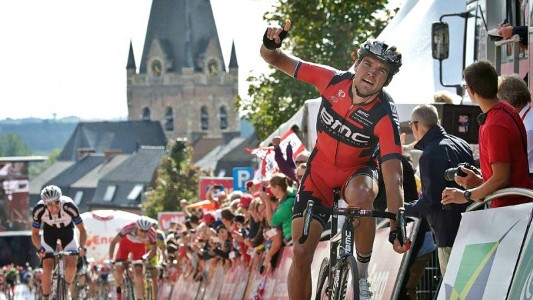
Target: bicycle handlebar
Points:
(354, 212)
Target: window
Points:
(223, 118)
(135, 192)
(212, 67)
(110, 193)
(204, 118)
(146, 114)
(78, 197)
(169, 119)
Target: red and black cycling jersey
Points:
(350, 135)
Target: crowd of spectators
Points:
(250, 227)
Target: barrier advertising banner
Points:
(102, 226)
(521, 286)
(207, 182)
(486, 252)
(165, 217)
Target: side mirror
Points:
(440, 40)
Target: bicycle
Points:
(336, 270)
(82, 287)
(59, 285)
(128, 286)
(148, 288)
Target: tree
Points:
(325, 32)
(38, 168)
(11, 144)
(177, 178)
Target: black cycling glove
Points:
(270, 44)
(393, 234)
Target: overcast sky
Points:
(68, 57)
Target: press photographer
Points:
(441, 152)
(502, 144)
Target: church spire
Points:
(131, 59)
(233, 58)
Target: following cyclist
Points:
(57, 214)
(132, 240)
(356, 124)
(155, 262)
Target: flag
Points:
(268, 165)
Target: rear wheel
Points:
(349, 280)
(322, 284)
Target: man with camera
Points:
(440, 152)
(502, 144)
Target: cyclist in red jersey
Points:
(132, 239)
(357, 124)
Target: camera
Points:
(450, 173)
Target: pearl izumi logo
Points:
(335, 126)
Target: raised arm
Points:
(270, 49)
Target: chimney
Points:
(82, 152)
(111, 152)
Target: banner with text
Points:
(485, 253)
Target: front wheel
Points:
(349, 280)
(148, 290)
(322, 287)
(129, 289)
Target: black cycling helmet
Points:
(384, 53)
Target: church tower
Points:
(182, 80)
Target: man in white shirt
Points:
(513, 90)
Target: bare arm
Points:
(392, 177)
(83, 234)
(277, 58)
(115, 240)
(501, 172)
(36, 238)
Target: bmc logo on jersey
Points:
(338, 128)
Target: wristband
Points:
(41, 250)
(82, 248)
(392, 236)
(270, 44)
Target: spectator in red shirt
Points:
(502, 144)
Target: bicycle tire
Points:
(322, 283)
(129, 289)
(62, 292)
(349, 280)
(149, 292)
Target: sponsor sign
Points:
(485, 254)
(207, 182)
(164, 218)
(240, 177)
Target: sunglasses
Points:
(299, 162)
(52, 203)
(142, 230)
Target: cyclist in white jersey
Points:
(57, 215)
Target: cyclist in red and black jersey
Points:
(357, 125)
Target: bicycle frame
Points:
(59, 288)
(341, 243)
(128, 281)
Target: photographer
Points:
(502, 144)
(440, 152)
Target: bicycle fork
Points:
(343, 247)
